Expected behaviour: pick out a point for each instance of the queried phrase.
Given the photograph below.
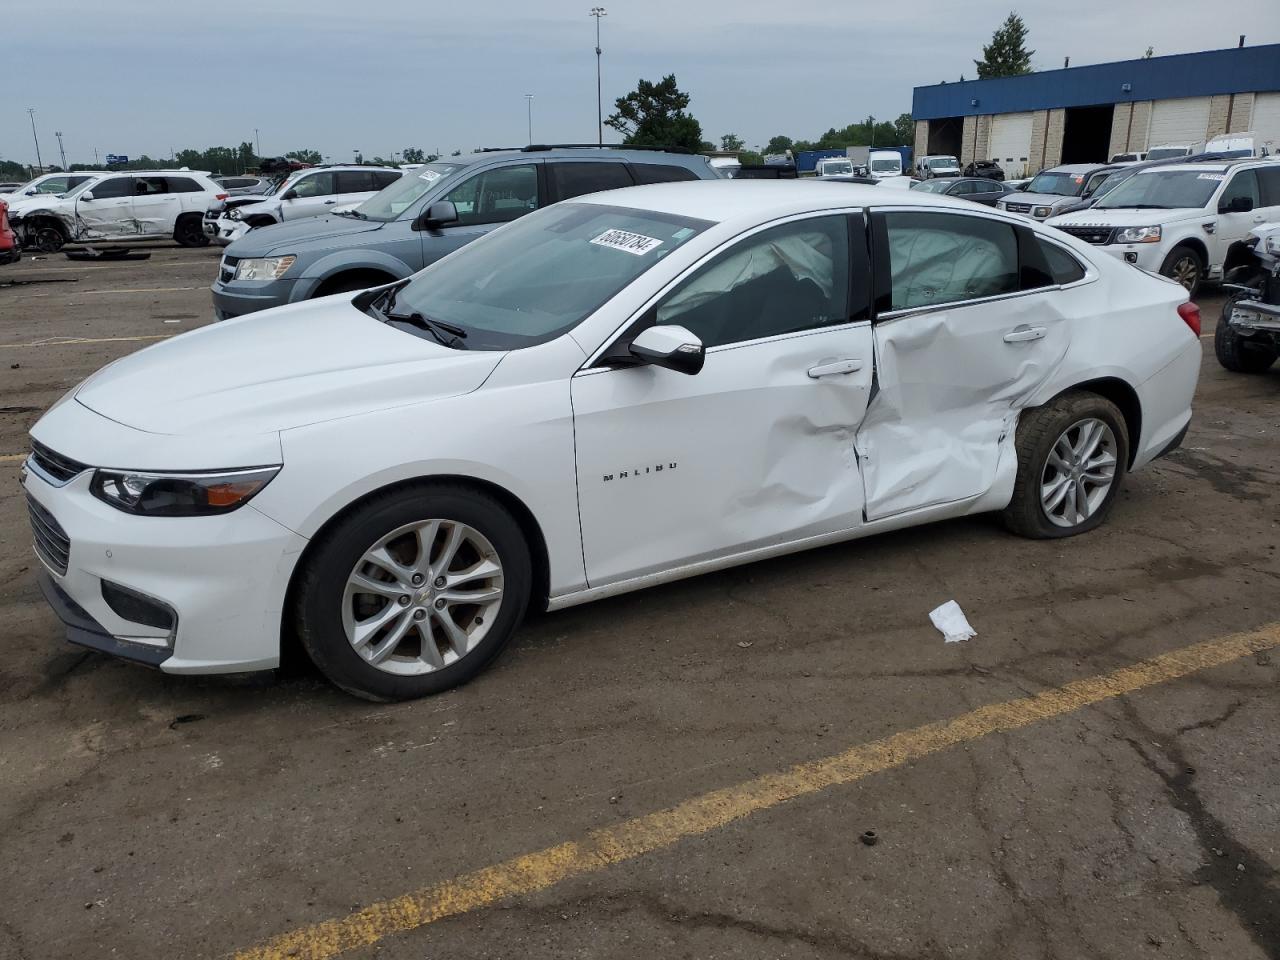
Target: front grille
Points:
(51, 542)
(57, 466)
(1018, 207)
(227, 272)
(1095, 235)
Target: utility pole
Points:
(31, 112)
(599, 12)
(528, 99)
(95, 156)
(257, 144)
(61, 152)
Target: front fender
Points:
(342, 261)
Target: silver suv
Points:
(420, 218)
(1059, 190)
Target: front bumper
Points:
(1148, 256)
(224, 579)
(1254, 316)
(225, 231)
(235, 298)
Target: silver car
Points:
(1058, 190)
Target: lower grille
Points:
(1095, 235)
(52, 545)
(228, 270)
(57, 466)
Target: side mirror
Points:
(672, 347)
(290, 194)
(1237, 205)
(442, 213)
(87, 196)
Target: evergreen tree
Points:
(654, 115)
(1006, 55)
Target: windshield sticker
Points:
(633, 243)
(1212, 176)
(429, 175)
(684, 233)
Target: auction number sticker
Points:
(1212, 176)
(429, 175)
(634, 243)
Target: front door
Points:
(758, 447)
(313, 194)
(484, 201)
(1234, 227)
(109, 213)
(961, 342)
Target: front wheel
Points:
(1186, 266)
(1236, 352)
(414, 592)
(1072, 455)
(46, 238)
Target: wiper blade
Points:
(355, 213)
(445, 333)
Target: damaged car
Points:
(1247, 338)
(135, 205)
(612, 392)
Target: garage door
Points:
(1178, 121)
(1266, 119)
(1011, 143)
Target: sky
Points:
(144, 76)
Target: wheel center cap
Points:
(425, 597)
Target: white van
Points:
(884, 164)
(1247, 144)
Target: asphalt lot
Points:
(146, 816)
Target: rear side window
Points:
(661, 173)
(149, 186)
(183, 185)
(384, 178)
(1269, 185)
(355, 181)
(938, 258)
(1063, 267)
(570, 180)
(113, 187)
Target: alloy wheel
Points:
(422, 597)
(1186, 271)
(1078, 473)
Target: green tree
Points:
(731, 142)
(654, 115)
(1006, 55)
(779, 144)
(1151, 52)
(308, 156)
(414, 155)
(904, 130)
(749, 158)
(246, 156)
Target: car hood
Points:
(274, 239)
(280, 369)
(1124, 217)
(44, 201)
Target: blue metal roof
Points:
(1237, 70)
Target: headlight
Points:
(1138, 235)
(1042, 212)
(1273, 245)
(179, 494)
(233, 213)
(264, 268)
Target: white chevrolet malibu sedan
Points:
(608, 394)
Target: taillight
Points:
(221, 196)
(1190, 315)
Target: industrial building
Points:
(1091, 113)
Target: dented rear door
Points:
(965, 333)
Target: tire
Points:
(1186, 266)
(1039, 432)
(189, 231)
(1238, 353)
(46, 236)
(344, 600)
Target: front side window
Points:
(1243, 184)
(578, 179)
(782, 280)
(937, 258)
(315, 185)
(53, 185)
(113, 187)
(538, 278)
(1163, 190)
(497, 195)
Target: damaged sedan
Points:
(613, 392)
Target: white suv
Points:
(306, 193)
(133, 205)
(1185, 220)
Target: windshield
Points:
(1164, 153)
(888, 163)
(941, 163)
(396, 198)
(1112, 181)
(1058, 184)
(931, 186)
(837, 166)
(1164, 190)
(532, 280)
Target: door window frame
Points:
(882, 280)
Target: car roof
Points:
(596, 153)
(1077, 168)
(756, 201)
(147, 173)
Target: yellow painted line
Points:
(64, 341)
(103, 293)
(9, 457)
(634, 838)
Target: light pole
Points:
(257, 143)
(31, 112)
(61, 152)
(599, 12)
(528, 99)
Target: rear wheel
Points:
(189, 231)
(1186, 266)
(1238, 353)
(1072, 455)
(414, 592)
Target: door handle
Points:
(834, 367)
(1023, 333)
